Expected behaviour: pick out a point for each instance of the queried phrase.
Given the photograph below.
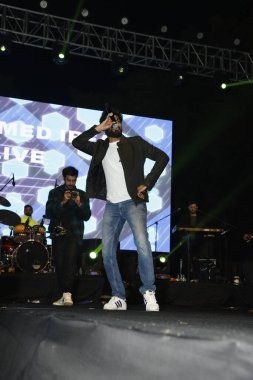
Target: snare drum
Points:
(22, 233)
(31, 257)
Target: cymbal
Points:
(9, 217)
(4, 202)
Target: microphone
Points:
(55, 184)
(27, 221)
(109, 111)
(13, 180)
(42, 222)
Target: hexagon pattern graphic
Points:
(36, 144)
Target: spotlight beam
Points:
(239, 83)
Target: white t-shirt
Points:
(114, 175)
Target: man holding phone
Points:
(67, 208)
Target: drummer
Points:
(28, 211)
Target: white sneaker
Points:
(115, 303)
(67, 299)
(150, 301)
(59, 302)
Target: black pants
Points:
(65, 252)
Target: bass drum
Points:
(31, 257)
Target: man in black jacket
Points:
(116, 174)
(67, 208)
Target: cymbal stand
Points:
(4, 186)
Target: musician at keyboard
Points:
(194, 233)
(192, 218)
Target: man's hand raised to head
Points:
(106, 124)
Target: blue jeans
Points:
(115, 216)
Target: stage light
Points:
(178, 74)
(43, 4)
(93, 255)
(237, 41)
(85, 12)
(60, 53)
(164, 29)
(5, 43)
(161, 264)
(124, 21)
(119, 65)
(222, 78)
(162, 259)
(179, 79)
(239, 83)
(200, 36)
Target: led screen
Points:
(36, 144)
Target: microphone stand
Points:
(156, 228)
(159, 220)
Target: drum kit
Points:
(25, 249)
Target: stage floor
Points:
(85, 342)
(203, 331)
(21, 287)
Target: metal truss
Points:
(100, 42)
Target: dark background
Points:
(212, 149)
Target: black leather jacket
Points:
(133, 152)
